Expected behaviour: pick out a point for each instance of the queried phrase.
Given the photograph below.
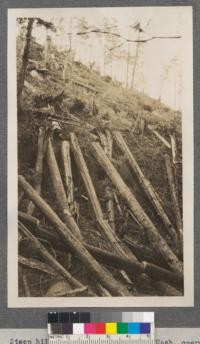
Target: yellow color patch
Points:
(111, 328)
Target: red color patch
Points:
(100, 328)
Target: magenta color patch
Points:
(89, 328)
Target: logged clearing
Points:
(100, 186)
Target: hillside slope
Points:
(87, 104)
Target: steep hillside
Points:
(92, 107)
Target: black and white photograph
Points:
(100, 157)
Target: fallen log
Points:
(142, 252)
(146, 185)
(38, 166)
(109, 142)
(134, 218)
(105, 278)
(25, 284)
(167, 289)
(142, 125)
(159, 136)
(174, 149)
(49, 258)
(39, 231)
(68, 180)
(36, 264)
(78, 120)
(152, 270)
(80, 161)
(103, 140)
(110, 207)
(104, 226)
(20, 196)
(117, 204)
(109, 192)
(28, 218)
(90, 88)
(66, 121)
(102, 291)
(119, 262)
(157, 242)
(62, 288)
(66, 118)
(174, 199)
(60, 191)
(129, 265)
(158, 273)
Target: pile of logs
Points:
(117, 273)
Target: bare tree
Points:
(139, 30)
(163, 78)
(25, 57)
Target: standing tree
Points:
(25, 58)
(175, 66)
(111, 35)
(82, 25)
(26, 53)
(137, 28)
(140, 31)
(163, 78)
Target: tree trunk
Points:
(102, 291)
(49, 258)
(135, 62)
(47, 49)
(28, 218)
(60, 191)
(127, 65)
(105, 278)
(36, 264)
(109, 192)
(143, 252)
(167, 289)
(66, 159)
(22, 74)
(110, 207)
(38, 166)
(157, 242)
(117, 204)
(104, 226)
(174, 199)
(154, 271)
(146, 185)
(129, 265)
(103, 140)
(20, 197)
(27, 291)
(160, 137)
(174, 149)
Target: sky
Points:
(155, 57)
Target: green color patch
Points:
(122, 328)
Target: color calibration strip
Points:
(86, 323)
(100, 328)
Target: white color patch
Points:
(78, 328)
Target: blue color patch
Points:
(145, 328)
(133, 328)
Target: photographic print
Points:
(100, 157)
